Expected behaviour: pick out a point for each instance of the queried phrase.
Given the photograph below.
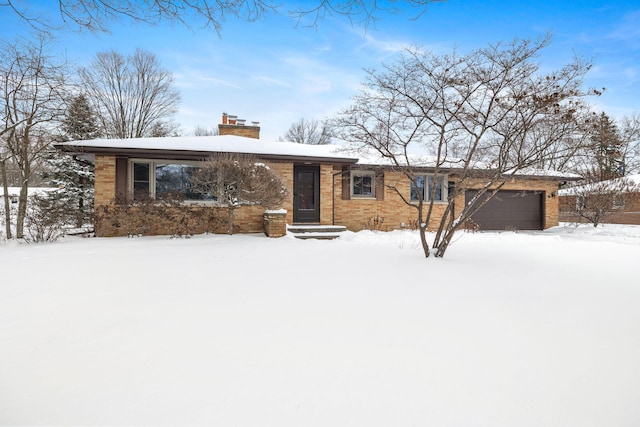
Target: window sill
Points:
(363, 197)
(200, 203)
(179, 202)
(426, 202)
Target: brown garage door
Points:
(509, 210)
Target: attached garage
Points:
(510, 210)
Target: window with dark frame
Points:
(362, 184)
(141, 181)
(156, 180)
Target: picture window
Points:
(156, 180)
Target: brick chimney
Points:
(232, 125)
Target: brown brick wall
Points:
(275, 224)
(117, 220)
(357, 213)
(285, 172)
(247, 219)
(327, 194)
(628, 214)
(239, 130)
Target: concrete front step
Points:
(320, 232)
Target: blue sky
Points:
(276, 73)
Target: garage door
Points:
(509, 210)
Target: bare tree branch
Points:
(478, 116)
(237, 179)
(133, 95)
(33, 86)
(595, 200)
(360, 12)
(309, 132)
(97, 15)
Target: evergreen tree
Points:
(80, 121)
(72, 181)
(72, 178)
(608, 148)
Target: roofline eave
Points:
(194, 155)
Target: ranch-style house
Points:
(325, 185)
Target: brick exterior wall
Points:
(239, 130)
(629, 213)
(105, 180)
(355, 213)
(327, 195)
(118, 221)
(275, 224)
(285, 172)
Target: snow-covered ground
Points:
(510, 329)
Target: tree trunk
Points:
(7, 205)
(22, 209)
(444, 243)
(423, 240)
(445, 223)
(449, 231)
(230, 221)
(80, 213)
(423, 229)
(24, 163)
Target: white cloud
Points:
(392, 46)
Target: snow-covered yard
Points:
(511, 329)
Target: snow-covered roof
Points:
(201, 145)
(624, 184)
(546, 173)
(415, 160)
(425, 161)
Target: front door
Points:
(306, 194)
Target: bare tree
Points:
(596, 201)
(133, 96)
(478, 115)
(4, 156)
(96, 15)
(629, 133)
(32, 88)
(362, 12)
(239, 179)
(202, 131)
(566, 142)
(309, 132)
